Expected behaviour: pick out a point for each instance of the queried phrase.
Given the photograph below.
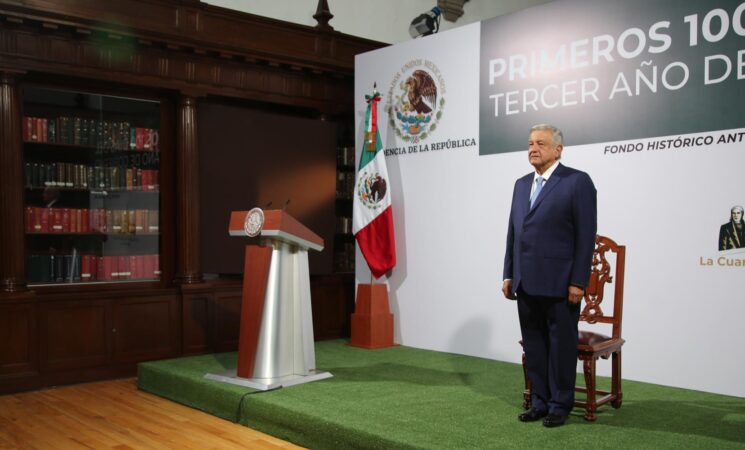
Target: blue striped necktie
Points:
(538, 186)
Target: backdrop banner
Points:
(651, 99)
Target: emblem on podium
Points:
(254, 222)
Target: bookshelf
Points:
(344, 244)
(91, 187)
(160, 65)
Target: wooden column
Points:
(12, 240)
(188, 258)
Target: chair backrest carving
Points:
(601, 275)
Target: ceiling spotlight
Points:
(426, 24)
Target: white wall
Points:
(451, 206)
(380, 20)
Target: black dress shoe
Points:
(532, 415)
(554, 420)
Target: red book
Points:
(74, 221)
(146, 139)
(138, 139)
(154, 140)
(122, 263)
(85, 225)
(94, 267)
(96, 224)
(66, 220)
(71, 226)
(29, 223)
(93, 219)
(140, 264)
(148, 265)
(44, 220)
(151, 181)
(33, 132)
(44, 130)
(110, 270)
(86, 262)
(101, 268)
(156, 263)
(55, 220)
(133, 272)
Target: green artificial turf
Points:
(402, 397)
(182, 380)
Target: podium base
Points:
(266, 384)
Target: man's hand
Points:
(507, 290)
(575, 294)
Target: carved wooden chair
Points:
(593, 345)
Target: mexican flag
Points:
(372, 216)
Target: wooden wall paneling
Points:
(332, 298)
(145, 328)
(12, 256)
(226, 315)
(164, 48)
(74, 334)
(261, 156)
(18, 343)
(196, 320)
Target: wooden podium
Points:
(275, 346)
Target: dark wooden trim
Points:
(198, 49)
(188, 260)
(19, 354)
(168, 195)
(12, 261)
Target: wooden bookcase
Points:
(91, 189)
(172, 55)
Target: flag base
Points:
(372, 321)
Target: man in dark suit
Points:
(547, 263)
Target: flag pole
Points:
(372, 321)
(372, 278)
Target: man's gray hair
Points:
(558, 136)
(737, 208)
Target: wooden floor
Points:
(115, 414)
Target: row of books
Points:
(345, 156)
(345, 185)
(104, 135)
(76, 268)
(60, 174)
(343, 225)
(96, 220)
(344, 258)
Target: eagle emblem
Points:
(422, 92)
(416, 106)
(371, 189)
